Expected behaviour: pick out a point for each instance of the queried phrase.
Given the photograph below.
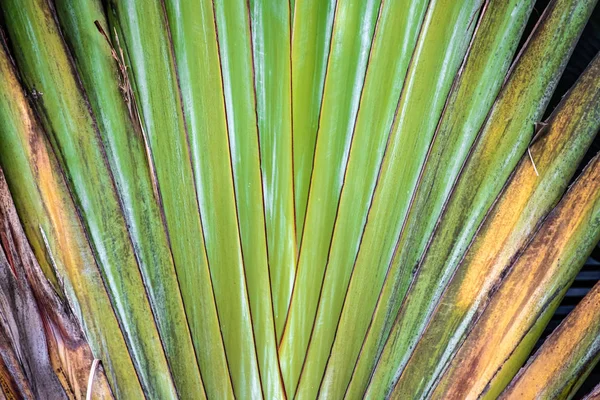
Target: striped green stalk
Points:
(56, 232)
(127, 157)
(370, 227)
(299, 199)
(470, 99)
(518, 312)
(501, 143)
(400, 22)
(271, 42)
(443, 50)
(207, 278)
(75, 136)
(199, 72)
(312, 29)
(234, 34)
(350, 48)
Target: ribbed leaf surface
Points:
(270, 23)
(502, 141)
(512, 322)
(468, 103)
(74, 135)
(574, 348)
(528, 196)
(126, 153)
(311, 43)
(294, 199)
(56, 232)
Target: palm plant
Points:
(304, 199)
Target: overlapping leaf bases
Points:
(305, 199)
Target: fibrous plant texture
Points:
(295, 199)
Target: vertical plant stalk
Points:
(235, 36)
(65, 112)
(434, 60)
(442, 40)
(214, 299)
(399, 22)
(469, 101)
(197, 55)
(312, 29)
(271, 42)
(106, 83)
(351, 43)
